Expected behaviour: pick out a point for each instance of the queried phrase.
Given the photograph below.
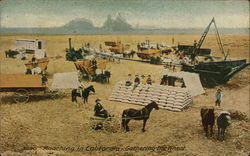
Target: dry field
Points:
(57, 127)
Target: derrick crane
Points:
(198, 45)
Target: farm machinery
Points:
(152, 51)
(119, 48)
(23, 46)
(213, 73)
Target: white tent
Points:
(65, 80)
(191, 80)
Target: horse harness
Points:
(143, 113)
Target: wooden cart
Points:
(87, 70)
(21, 85)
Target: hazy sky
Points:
(157, 13)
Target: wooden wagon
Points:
(117, 47)
(149, 53)
(23, 86)
(41, 63)
(87, 70)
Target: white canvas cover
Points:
(65, 80)
(191, 80)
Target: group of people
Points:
(138, 80)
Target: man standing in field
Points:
(218, 97)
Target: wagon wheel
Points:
(112, 125)
(91, 125)
(21, 96)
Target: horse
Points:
(85, 94)
(208, 118)
(11, 53)
(103, 77)
(142, 114)
(223, 121)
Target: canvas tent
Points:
(65, 80)
(191, 80)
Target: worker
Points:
(33, 61)
(94, 64)
(218, 97)
(149, 80)
(164, 80)
(165, 71)
(143, 80)
(129, 80)
(136, 81)
(44, 80)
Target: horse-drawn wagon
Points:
(117, 47)
(23, 86)
(94, 70)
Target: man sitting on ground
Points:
(129, 81)
(136, 81)
(143, 80)
(149, 80)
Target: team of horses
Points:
(207, 114)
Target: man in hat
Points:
(136, 81)
(143, 80)
(129, 80)
(99, 110)
(149, 80)
(218, 97)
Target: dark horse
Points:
(85, 94)
(223, 121)
(142, 114)
(207, 117)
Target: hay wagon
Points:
(23, 86)
(40, 65)
(88, 71)
(148, 53)
(117, 47)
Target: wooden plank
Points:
(20, 81)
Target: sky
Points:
(154, 13)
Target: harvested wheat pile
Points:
(238, 115)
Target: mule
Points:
(84, 95)
(223, 121)
(208, 119)
(142, 114)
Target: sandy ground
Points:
(57, 127)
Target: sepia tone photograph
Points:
(124, 78)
